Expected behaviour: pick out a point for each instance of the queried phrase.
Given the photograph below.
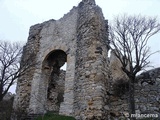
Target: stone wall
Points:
(28, 57)
(115, 68)
(147, 101)
(87, 89)
(55, 35)
(43, 39)
(81, 34)
(147, 97)
(147, 89)
(91, 63)
(56, 92)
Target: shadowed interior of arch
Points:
(55, 75)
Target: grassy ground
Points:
(51, 116)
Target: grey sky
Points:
(16, 16)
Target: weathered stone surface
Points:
(86, 89)
(115, 67)
(146, 92)
(82, 36)
(56, 92)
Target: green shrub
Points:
(6, 109)
(51, 116)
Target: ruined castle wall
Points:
(82, 36)
(30, 50)
(44, 38)
(88, 83)
(115, 68)
(91, 63)
(147, 98)
(147, 101)
(55, 35)
(56, 92)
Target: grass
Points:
(51, 116)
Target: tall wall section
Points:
(43, 39)
(24, 83)
(55, 35)
(91, 63)
(81, 38)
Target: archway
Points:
(55, 77)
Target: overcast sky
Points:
(16, 16)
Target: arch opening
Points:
(55, 75)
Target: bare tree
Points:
(10, 69)
(129, 36)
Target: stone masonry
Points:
(80, 40)
(147, 89)
(93, 87)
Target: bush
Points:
(52, 116)
(6, 109)
(120, 87)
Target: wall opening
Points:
(56, 79)
(64, 67)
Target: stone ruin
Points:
(147, 89)
(80, 40)
(84, 90)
